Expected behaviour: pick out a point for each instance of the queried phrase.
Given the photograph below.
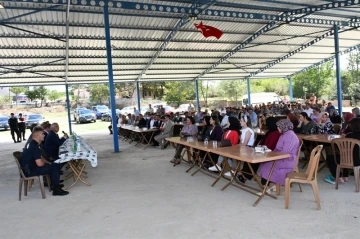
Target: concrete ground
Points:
(139, 194)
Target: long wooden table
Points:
(239, 153)
(140, 133)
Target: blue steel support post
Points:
(338, 70)
(111, 79)
(138, 95)
(248, 91)
(68, 107)
(197, 94)
(291, 89)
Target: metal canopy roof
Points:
(157, 40)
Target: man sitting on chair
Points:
(53, 142)
(34, 164)
(165, 132)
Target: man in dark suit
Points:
(14, 128)
(142, 121)
(34, 163)
(53, 142)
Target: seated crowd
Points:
(39, 154)
(236, 125)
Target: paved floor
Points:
(139, 194)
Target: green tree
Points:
(314, 80)
(232, 89)
(41, 92)
(178, 91)
(125, 89)
(17, 91)
(157, 89)
(31, 94)
(354, 75)
(279, 86)
(54, 95)
(4, 100)
(99, 92)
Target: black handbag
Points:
(225, 143)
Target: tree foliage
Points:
(39, 92)
(314, 80)
(99, 93)
(54, 95)
(157, 89)
(125, 89)
(178, 91)
(17, 91)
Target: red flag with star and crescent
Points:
(208, 31)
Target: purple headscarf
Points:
(285, 125)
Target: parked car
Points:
(183, 108)
(107, 116)
(85, 115)
(4, 125)
(169, 109)
(33, 120)
(99, 110)
(127, 110)
(76, 112)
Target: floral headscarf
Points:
(285, 125)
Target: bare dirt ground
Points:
(138, 194)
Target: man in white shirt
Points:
(308, 110)
(150, 110)
(136, 112)
(225, 120)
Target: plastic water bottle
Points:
(78, 142)
(214, 144)
(206, 141)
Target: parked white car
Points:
(184, 107)
(127, 110)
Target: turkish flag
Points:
(208, 31)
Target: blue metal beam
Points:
(291, 89)
(76, 48)
(268, 7)
(146, 28)
(197, 95)
(68, 106)
(140, 57)
(248, 49)
(138, 95)
(161, 8)
(111, 79)
(248, 91)
(338, 70)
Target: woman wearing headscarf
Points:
(270, 140)
(325, 126)
(288, 143)
(345, 126)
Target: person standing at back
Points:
(14, 128)
(22, 126)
